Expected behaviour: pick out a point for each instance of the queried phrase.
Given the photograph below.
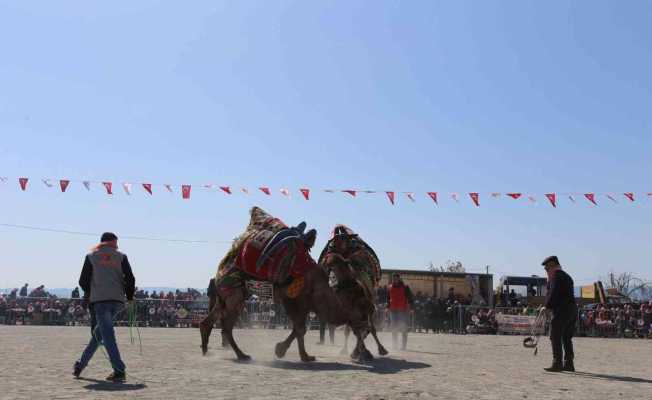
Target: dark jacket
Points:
(561, 294)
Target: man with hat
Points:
(107, 281)
(561, 301)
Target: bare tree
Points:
(628, 285)
(449, 266)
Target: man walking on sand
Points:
(107, 281)
(561, 301)
(399, 300)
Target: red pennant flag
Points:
(476, 198)
(514, 196)
(226, 189)
(390, 196)
(305, 193)
(64, 185)
(266, 191)
(147, 187)
(552, 197)
(23, 183)
(433, 196)
(185, 191)
(108, 186)
(590, 197)
(351, 192)
(630, 196)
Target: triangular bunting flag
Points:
(630, 196)
(87, 185)
(495, 195)
(127, 188)
(329, 191)
(590, 197)
(433, 196)
(455, 197)
(185, 191)
(47, 182)
(63, 183)
(305, 193)
(571, 198)
(514, 196)
(3, 179)
(390, 196)
(552, 197)
(351, 192)
(266, 191)
(169, 188)
(23, 183)
(610, 197)
(532, 199)
(285, 192)
(147, 187)
(109, 187)
(245, 190)
(226, 189)
(410, 196)
(208, 186)
(476, 198)
(369, 191)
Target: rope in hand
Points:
(532, 341)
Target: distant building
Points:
(438, 284)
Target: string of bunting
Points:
(475, 197)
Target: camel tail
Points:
(212, 290)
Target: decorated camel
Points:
(357, 269)
(270, 251)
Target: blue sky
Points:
(461, 96)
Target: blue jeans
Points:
(102, 332)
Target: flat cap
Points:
(551, 259)
(108, 237)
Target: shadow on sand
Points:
(606, 377)
(106, 386)
(381, 365)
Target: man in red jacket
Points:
(399, 302)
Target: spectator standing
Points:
(23, 291)
(399, 302)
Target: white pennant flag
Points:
(127, 188)
(571, 198)
(532, 199)
(495, 195)
(285, 192)
(455, 197)
(3, 179)
(47, 182)
(245, 190)
(169, 188)
(208, 186)
(87, 185)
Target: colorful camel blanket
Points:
(243, 261)
(359, 254)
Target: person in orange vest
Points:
(399, 303)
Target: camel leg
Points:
(381, 349)
(282, 347)
(228, 323)
(347, 332)
(300, 333)
(206, 325)
(360, 353)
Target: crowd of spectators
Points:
(453, 314)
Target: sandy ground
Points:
(36, 363)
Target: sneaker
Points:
(117, 377)
(77, 370)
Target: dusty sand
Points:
(36, 363)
